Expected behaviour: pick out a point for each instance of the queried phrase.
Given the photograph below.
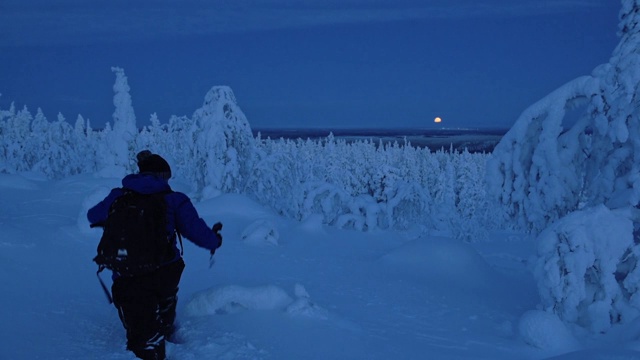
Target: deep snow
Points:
(280, 289)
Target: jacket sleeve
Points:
(97, 215)
(191, 226)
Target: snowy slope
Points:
(279, 289)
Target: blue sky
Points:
(303, 63)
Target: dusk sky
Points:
(303, 63)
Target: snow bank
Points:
(261, 232)
(233, 299)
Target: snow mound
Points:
(304, 307)
(546, 331)
(442, 260)
(261, 232)
(234, 299)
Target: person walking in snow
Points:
(146, 299)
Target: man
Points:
(146, 302)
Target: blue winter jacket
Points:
(181, 215)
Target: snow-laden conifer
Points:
(225, 145)
(579, 184)
(119, 149)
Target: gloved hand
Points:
(216, 230)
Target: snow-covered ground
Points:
(280, 289)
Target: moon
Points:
(437, 120)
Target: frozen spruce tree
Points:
(119, 147)
(225, 144)
(577, 185)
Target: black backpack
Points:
(135, 239)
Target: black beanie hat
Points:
(153, 164)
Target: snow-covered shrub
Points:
(586, 268)
(407, 205)
(564, 182)
(326, 199)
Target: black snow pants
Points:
(147, 307)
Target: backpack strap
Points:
(165, 193)
(181, 245)
(104, 287)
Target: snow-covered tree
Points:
(16, 137)
(182, 133)
(84, 147)
(472, 211)
(60, 158)
(36, 144)
(444, 195)
(225, 144)
(120, 145)
(5, 115)
(553, 178)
